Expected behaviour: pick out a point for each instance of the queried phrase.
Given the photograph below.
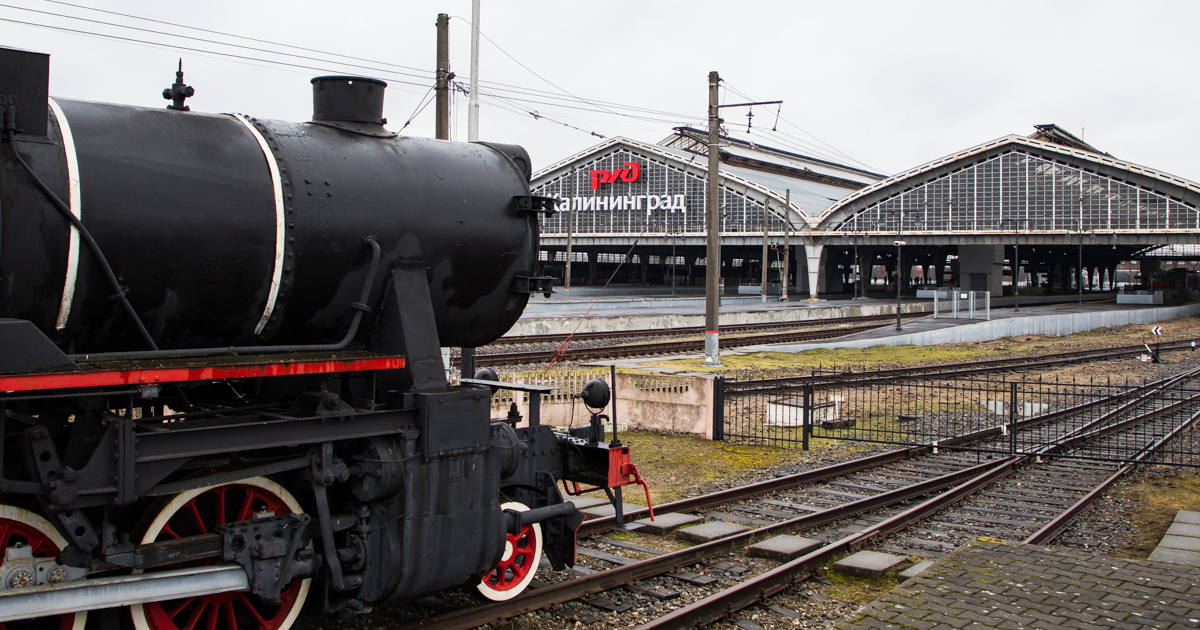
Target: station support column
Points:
(812, 254)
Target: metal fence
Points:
(1093, 420)
(958, 304)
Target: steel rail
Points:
(984, 474)
(1059, 524)
(691, 504)
(947, 369)
(691, 330)
(713, 607)
(770, 582)
(605, 580)
(659, 347)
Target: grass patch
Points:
(676, 464)
(858, 590)
(840, 357)
(1155, 501)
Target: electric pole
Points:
(473, 107)
(765, 265)
(787, 243)
(570, 229)
(712, 268)
(442, 86)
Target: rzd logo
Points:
(628, 174)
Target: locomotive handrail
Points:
(360, 307)
(65, 210)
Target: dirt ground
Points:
(1153, 498)
(676, 465)
(776, 364)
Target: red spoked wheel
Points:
(22, 527)
(198, 512)
(522, 554)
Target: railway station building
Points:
(1061, 212)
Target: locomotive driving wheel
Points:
(522, 554)
(22, 528)
(198, 512)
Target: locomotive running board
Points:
(123, 590)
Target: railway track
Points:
(911, 501)
(693, 330)
(650, 348)
(674, 346)
(955, 370)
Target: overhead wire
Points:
(828, 147)
(519, 96)
(305, 66)
(603, 106)
(253, 39)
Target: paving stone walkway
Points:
(994, 585)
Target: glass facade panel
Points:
(1017, 191)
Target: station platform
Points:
(629, 310)
(1050, 319)
(997, 585)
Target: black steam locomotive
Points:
(221, 384)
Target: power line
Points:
(424, 74)
(178, 47)
(223, 34)
(527, 96)
(837, 151)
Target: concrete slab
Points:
(915, 570)
(1184, 529)
(868, 563)
(708, 531)
(1187, 543)
(582, 503)
(783, 548)
(1185, 516)
(666, 523)
(1175, 556)
(597, 511)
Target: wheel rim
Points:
(18, 525)
(522, 554)
(197, 512)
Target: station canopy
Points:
(623, 187)
(1045, 187)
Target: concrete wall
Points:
(1062, 324)
(644, 401)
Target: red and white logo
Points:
(630, 173)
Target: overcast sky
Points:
(890, 85)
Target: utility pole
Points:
(765, 265)
(442, 86)
(787, 243)
(473, 108)
(712, 268)
(899, 265)
(570, 230)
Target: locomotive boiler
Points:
(221, 383)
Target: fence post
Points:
(1012, 418)
(808, 416)
(719, 409)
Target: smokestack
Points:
(348, 99)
